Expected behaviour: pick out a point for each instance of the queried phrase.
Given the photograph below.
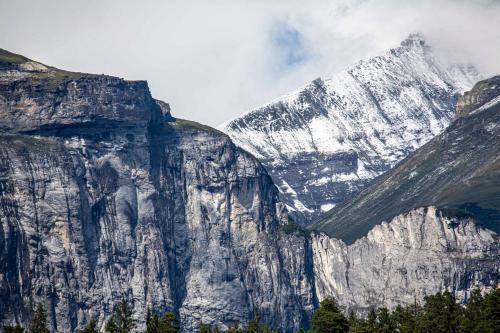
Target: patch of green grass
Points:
(183, 123)
(12, 58)
(54, 76)
(294, 228)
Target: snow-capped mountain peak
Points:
(330, 138)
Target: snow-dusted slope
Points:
(330, 138)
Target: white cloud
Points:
(213, 60)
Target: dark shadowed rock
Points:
(482, 93)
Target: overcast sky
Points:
(213, 60)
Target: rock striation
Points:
(418, 253)
(458, 171)
(483, 92)
(104, 195)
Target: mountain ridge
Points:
(331, 138)
(457, 171)
(104, 195)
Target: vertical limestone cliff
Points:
(104, 195)
(418, 253)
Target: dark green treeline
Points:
(439, 313)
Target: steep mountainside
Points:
(104, 195)
(458, 172)
(329, 139)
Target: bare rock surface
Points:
(104, 195)
(418, 253)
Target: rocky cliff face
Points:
(418, 253)
(35, 98)
(326, 141)
(483, 92)
(394, 253)
(104, 195)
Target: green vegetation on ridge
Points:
(458, 172)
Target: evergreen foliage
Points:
(13, 329)
(152, 322)
(39, 323)
(168, 323)
(329, 318)
(90, 328)
(204, 328)
(439, 313)
(121, 321)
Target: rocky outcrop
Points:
(328, 140)
(416, 254)
(482, 93)
(104, 195)
(38, 99)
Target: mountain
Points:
(104, 195)
(429, 224)
(331, 138)
(458, 172)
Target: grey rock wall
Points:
(103, 195)
(415, 254)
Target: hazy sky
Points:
(213, 60)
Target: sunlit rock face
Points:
(330, 139)
(457, 172)
(381, 250)
(418, 253)
(104, 195)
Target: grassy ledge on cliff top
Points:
(186, 124)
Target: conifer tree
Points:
(385, 323)
(472, 314)
(90, 328)
(168, 323)
(371, 322)
(13, 329)
(491, 312)
(441, 313)
(406, 319)
(151, 322)
(121, 321)
(39, 323)
(329, 318)
(357, 325)
(234, 329)
(204, 328)
(255, 325)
